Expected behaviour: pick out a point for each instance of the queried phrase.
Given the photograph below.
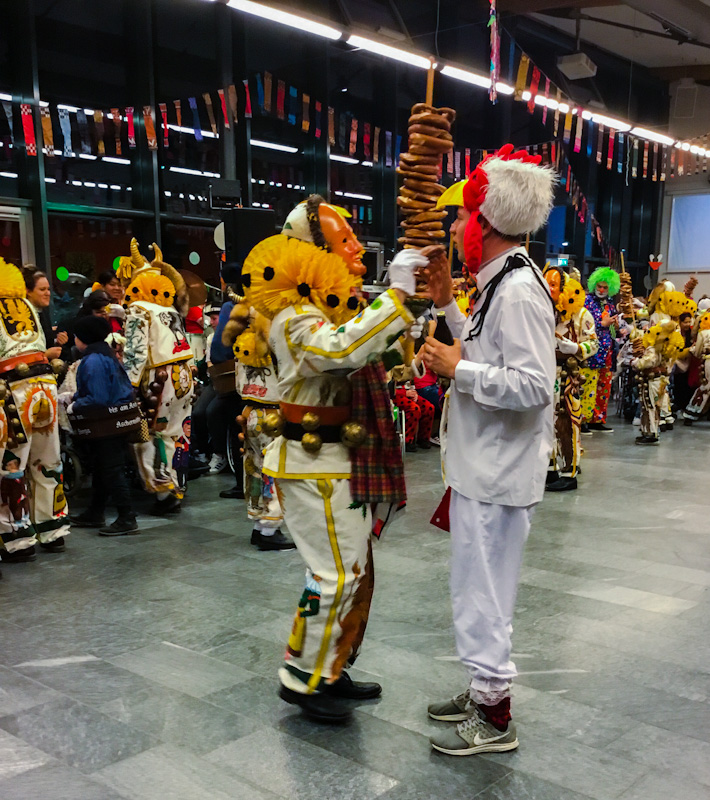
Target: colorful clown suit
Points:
(663, 344)
(158, 360)
(700, 402)
(576, 341)
(317, 344)
(258, 386)
(32, 503)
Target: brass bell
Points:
(3, 390)
(273, 424)
(12, 408)
(57, 365)
(353, 434)
(563, 374)
(310, 421)
(22, 370)
(161, 375)
(20, 438)
(16, 423)
(311, 442)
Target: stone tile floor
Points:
(144, 667)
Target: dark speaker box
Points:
(243, 229)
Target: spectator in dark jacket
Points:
(95, 304)
(102, 383)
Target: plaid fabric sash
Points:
(377, 468)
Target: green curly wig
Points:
(605, 275)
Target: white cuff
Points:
(465, 376)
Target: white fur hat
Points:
(704, 304)
(519, 196)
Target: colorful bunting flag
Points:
(47, 134)
(664, 163)
(83, 131)
(635, 163)
(99, 126)
(568, 127)
(319, 109)
(65, 125)
(178, 115)
(600, 143)
(388, 148)
(117, 123)
(467, 162)
(207, 97)
(376, 146)
(150, 125)
(130, 122)
(331, 126)
(352, 148)
(266, 92)
(645, 160)
(620, 151)
(306, 114)
(654, 176)
(280, 99)
(522, 80)
(247, 101)
(223, 103)
(534, 84)
(292, 106)
(7, 107)
(578, 131)
(164, 117)
(260, 95)
(610, 153)
(547, 95)
(366, 140)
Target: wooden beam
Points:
(538, 6)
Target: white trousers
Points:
(487, 543)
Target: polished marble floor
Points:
(143, 667)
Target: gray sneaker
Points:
(475, 735)
(455, 710)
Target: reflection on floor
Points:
(144, 667)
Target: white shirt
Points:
(500, 415)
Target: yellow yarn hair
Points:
(664, 340)
(12, 283)
(704, 321)
(151, 287)
(281, 272)
(676, 303)
(251, 350)
(571, 298)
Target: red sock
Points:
(499, 714)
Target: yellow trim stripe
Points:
(347, 350)
(325, 487)
(305, 476)
(403, 310)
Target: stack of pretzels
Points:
(429, 138)
(626, 296)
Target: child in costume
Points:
(304, 281)
(158, 360)
(603, 284)
(700, 402)
(663, 344)
(575, 342)
(33, 504)
(258, 386)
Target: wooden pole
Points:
(430, 87)
(451, 252)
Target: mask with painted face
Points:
(341, 238)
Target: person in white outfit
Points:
(500, 432)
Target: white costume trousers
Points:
(487, 543)
(333, 538)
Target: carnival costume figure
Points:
(700, 402)
(258, 386)
(328, 354)
(158, 360)
(32, 500)
(575, 342)
(663, 344)
(603, 284)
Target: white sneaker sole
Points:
(460, 717)
(501, 747)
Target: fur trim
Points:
(12, 284)
(519, 196)
(605, 275)
(676, 303)
(571, 298)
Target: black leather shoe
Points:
(348, 689)
(552, 476)
(317, 707)
(233, 494)
(277, 541)
(647, 439)
(57, 546)
(565, 483)
(255, 536)
(19, 556)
